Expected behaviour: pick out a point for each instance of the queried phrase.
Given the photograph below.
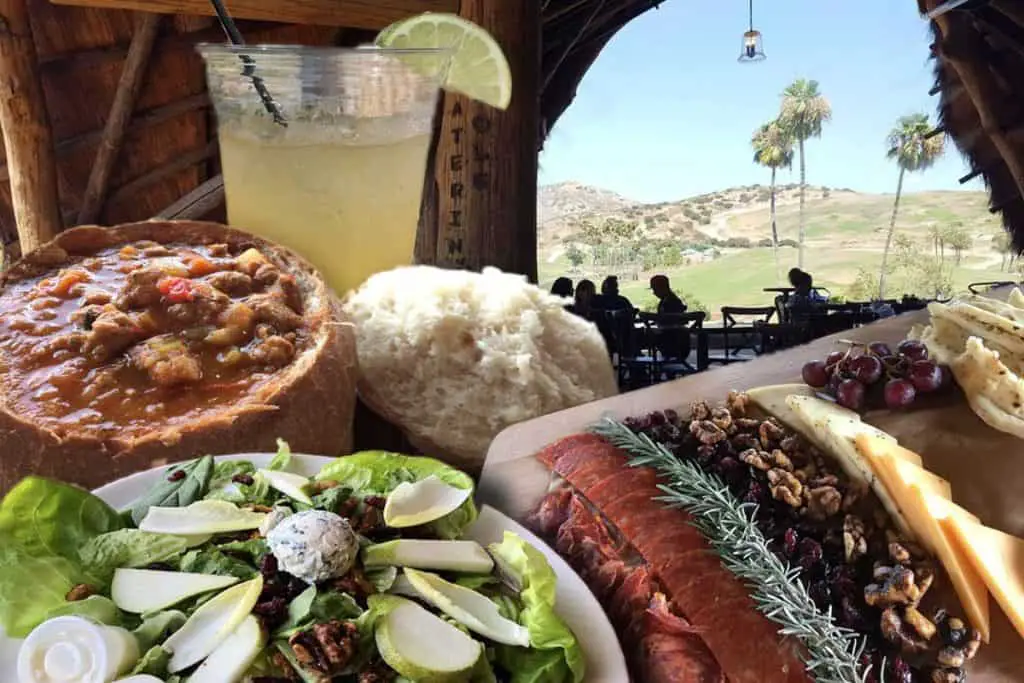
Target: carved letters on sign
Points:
(468, 165)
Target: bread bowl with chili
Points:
(128, 347)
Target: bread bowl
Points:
(128, 347)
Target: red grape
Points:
(912, 350)
(850, 394)
(925, 376)
(866, 369)
(834, 381)
(815, 374)
(947, 376)
(834, 357)
(879, 349)
(899, 394)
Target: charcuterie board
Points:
(985, 467)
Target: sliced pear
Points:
(772, 400)
(471, 609)
(413, 504)
(140, 678)
(203, 517)
(454, 556)
(423, 647)
(291, 485)
(140, 591)
(209, 625)
(403, 586)
(232, 658)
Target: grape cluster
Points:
(850, 375)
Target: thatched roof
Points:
(979, 51)
(169, 146)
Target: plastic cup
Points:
(76, 649)
(341, 180)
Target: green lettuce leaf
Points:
(43, 523)
(211, 561)
(554, 656)
(379, 472)
(174, 490)
(128, 548)
(312, 607)
(99, 608)
(158, 627)
(222, 484)
(154, 662)
(254, 548)
(283, 457)
(48, 518)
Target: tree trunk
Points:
(803, 192)
(888, 237)
(775, 232)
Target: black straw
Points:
(235, 38)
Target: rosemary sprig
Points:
(832, 652)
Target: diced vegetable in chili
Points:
(176, 289)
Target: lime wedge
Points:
(478, 70)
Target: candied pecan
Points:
(260, 508)
(742, 442)
(770, 432)
(920, 623)
(746, 424)
(325, 648)
(700, 410)
(758, 459)
(899, 553)
(737, 402)
(321, 485)
(370, 519)
(924, 576)
(898, 588)
(893, 630)
(376, 672)
(973, 643)
(80, 592)
(722, 418)
(785, 487)
(952, 657)
(950, 675)
(355, 584)
(855, 543)
(823, 502)
(707, 432)
(376, 501)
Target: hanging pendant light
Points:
(753, 48)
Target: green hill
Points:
(701, 243)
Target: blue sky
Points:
(666, 112)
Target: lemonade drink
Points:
(341, 182)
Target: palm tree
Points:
(913, 150)
(804, 112)
(773, 148)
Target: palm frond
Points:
(909, 145)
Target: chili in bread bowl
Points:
(129, 347)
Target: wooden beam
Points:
(177, 165)
(197, 203)
(28, 138)
(372, 14)
(150, 117)
(114, 131)
(486, 162)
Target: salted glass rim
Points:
(279, 49)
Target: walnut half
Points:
(785, 487)
(326, 648)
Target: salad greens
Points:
(68, 544)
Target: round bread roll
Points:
(454, 357)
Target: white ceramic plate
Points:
(576, 604)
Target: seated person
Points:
(562, 287)
(583, 304)
(610, 299)
(803, 301)
(672, 343)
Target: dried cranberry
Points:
(790, 540)
(243, 479)
(843, 581)
(809, 553)
(899, 671)
(865, 662)
(656, 418)
(672, 416)
(176, 475)
(851, 616)
(755, 493)
(268, 567)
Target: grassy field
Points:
(845, 233)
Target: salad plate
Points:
(575, 604)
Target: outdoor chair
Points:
(982, 287)
(743, 332)
(779, 336)
(672, 344)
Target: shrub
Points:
(764, 242)
(705, 220)
(738, 243)
(788, 242)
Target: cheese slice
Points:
(998, 557)
(772, 400)
(838, 430)
(930, 511)
(887, 444)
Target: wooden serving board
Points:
(985, 467)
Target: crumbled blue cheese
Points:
(314, 545)
(274, 517)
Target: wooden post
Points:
(119, 118)
(484, 212)
(28, 139)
